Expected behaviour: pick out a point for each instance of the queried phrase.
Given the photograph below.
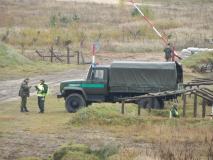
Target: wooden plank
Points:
(68, 55)
(150, 104)
(204, 108)
(78, 57)
(184, 106)
(195, 105)
(56, 56)
(139, 108)
(51, 51)
(205, 94)
(122, 107)
(38, 53)
(190, 94)
(82, 56)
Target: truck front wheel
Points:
(144, 103)
(74, 102)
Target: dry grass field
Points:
(100, 131)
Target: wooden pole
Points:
(78, 57)
(68, 55)
(204, 108)
(184, 105)
(150, 104)
(190, 94)
(122, 108)
(51, 59)
(82, 56)
(195, 105)
(139, 108)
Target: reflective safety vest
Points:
(176, 112)
(41, 88)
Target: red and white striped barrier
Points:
(153, 27)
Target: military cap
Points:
(27, 78)
(42, 80)
(175, 105)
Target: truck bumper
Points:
(59, 95)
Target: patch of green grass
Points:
(8, 57)
(202, 58)
(104, 114)
(82, 152)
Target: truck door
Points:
(97, 82)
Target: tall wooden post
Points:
(204, 108)
(195, 105)
(184, 105)
(78, 57)
(122, 108)
(190, 94)
(139, 108)
(150, 104)
(51, 59)
(68, 55)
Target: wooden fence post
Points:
(78, 57)
(150, 104)
(51, 59)
(139, 108)
(190, 94)
(195, 105)
(68, 55)
(184, 105)
(204, 108)
(122, 108)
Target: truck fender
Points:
(76, 90)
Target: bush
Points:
(64, 19)
(149, 13)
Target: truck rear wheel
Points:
(144, 103)
(74, 102)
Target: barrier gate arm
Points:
(154, 28)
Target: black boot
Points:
(41, 112)
(22, 110)
(25, 108)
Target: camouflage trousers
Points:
(168, 59)
(23, 103)
(41, 103)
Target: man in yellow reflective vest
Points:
(42, 92)
(174, 112)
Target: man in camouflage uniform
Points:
(42, 91)
(24, 93)
(168, 52)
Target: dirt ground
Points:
(17, 142)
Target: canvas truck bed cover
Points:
(142, 77)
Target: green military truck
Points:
(109, 83)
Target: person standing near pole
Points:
(168, 52)
(24, 93)
(174, 111)
(42, 92)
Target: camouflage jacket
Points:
(24, 89)
(168, 51)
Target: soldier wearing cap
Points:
(42, 92)
(174, 112)
(24, 93)
(168, 52)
